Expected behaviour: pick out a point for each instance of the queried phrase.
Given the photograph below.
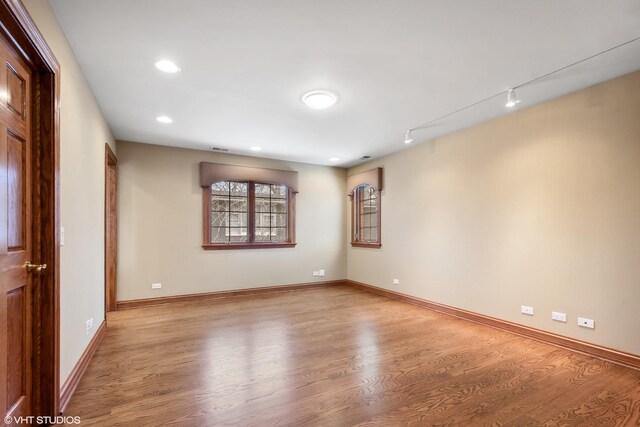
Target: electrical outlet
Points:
(156, 286)
(558, 317)
(586, 323)
(61, 236)
(321, 273)
(316, 273)
(88, 326)
(525, 309)
(396, 281)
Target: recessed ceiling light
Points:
(164, 119)
(167, 66)
(334, 159)
(255, 149)
(319, 99)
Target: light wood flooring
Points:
(337, 356)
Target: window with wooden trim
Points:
(246, 214)
(365, 208)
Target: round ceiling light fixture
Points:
(164, 119)
(320, 99)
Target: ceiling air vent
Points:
(221, 150)
(365, 157)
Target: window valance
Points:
(372, 177)
(211, 173)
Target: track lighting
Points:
(512, 99)
(408, 138)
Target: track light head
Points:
(408, 138)
(512, 99)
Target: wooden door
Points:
(110, 229)
(15, 234)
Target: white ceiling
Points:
(394, 63)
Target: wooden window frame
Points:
(251, 244)
(371, 178)
(354, 220)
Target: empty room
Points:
(320, 213)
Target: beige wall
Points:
(160, 232)
(83, 133)
(540, 207)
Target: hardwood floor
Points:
(337, 356)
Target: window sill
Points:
(366, 245)
(231, 246)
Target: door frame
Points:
(21, 32)
(110, 161)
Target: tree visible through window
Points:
(271, 213)
(248, 214)
(365, 215)
(229, 212)
(365, 189)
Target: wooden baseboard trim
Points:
(70, 385)
(136, 303)
(626, 359)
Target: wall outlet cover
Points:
(586, 323)
(525, 309)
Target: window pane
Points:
(219, 235)
(238, 204)
(278, 191)
(263, 234)
(238, 188)
(373, 234)
(279, 205)
(237, 219)
(220, 188)
(219, 219)
(278, 220)
(279, 235)
(263, 219)
(262, 190)
(220, 203)
(369, 220)
(262, 205)
(238, 235)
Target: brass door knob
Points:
(34, 267)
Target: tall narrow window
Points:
(365, 199)
(365, 208)
(251, 208)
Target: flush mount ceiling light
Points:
(408, 137)
(334, 159)
(319, 99)
(512, 99)
(167, 66)
(256, 149)
(164, 119)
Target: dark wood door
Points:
(110, 229)
(15, 234)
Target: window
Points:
(244, 214)
(365, 208)
(365, 205)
